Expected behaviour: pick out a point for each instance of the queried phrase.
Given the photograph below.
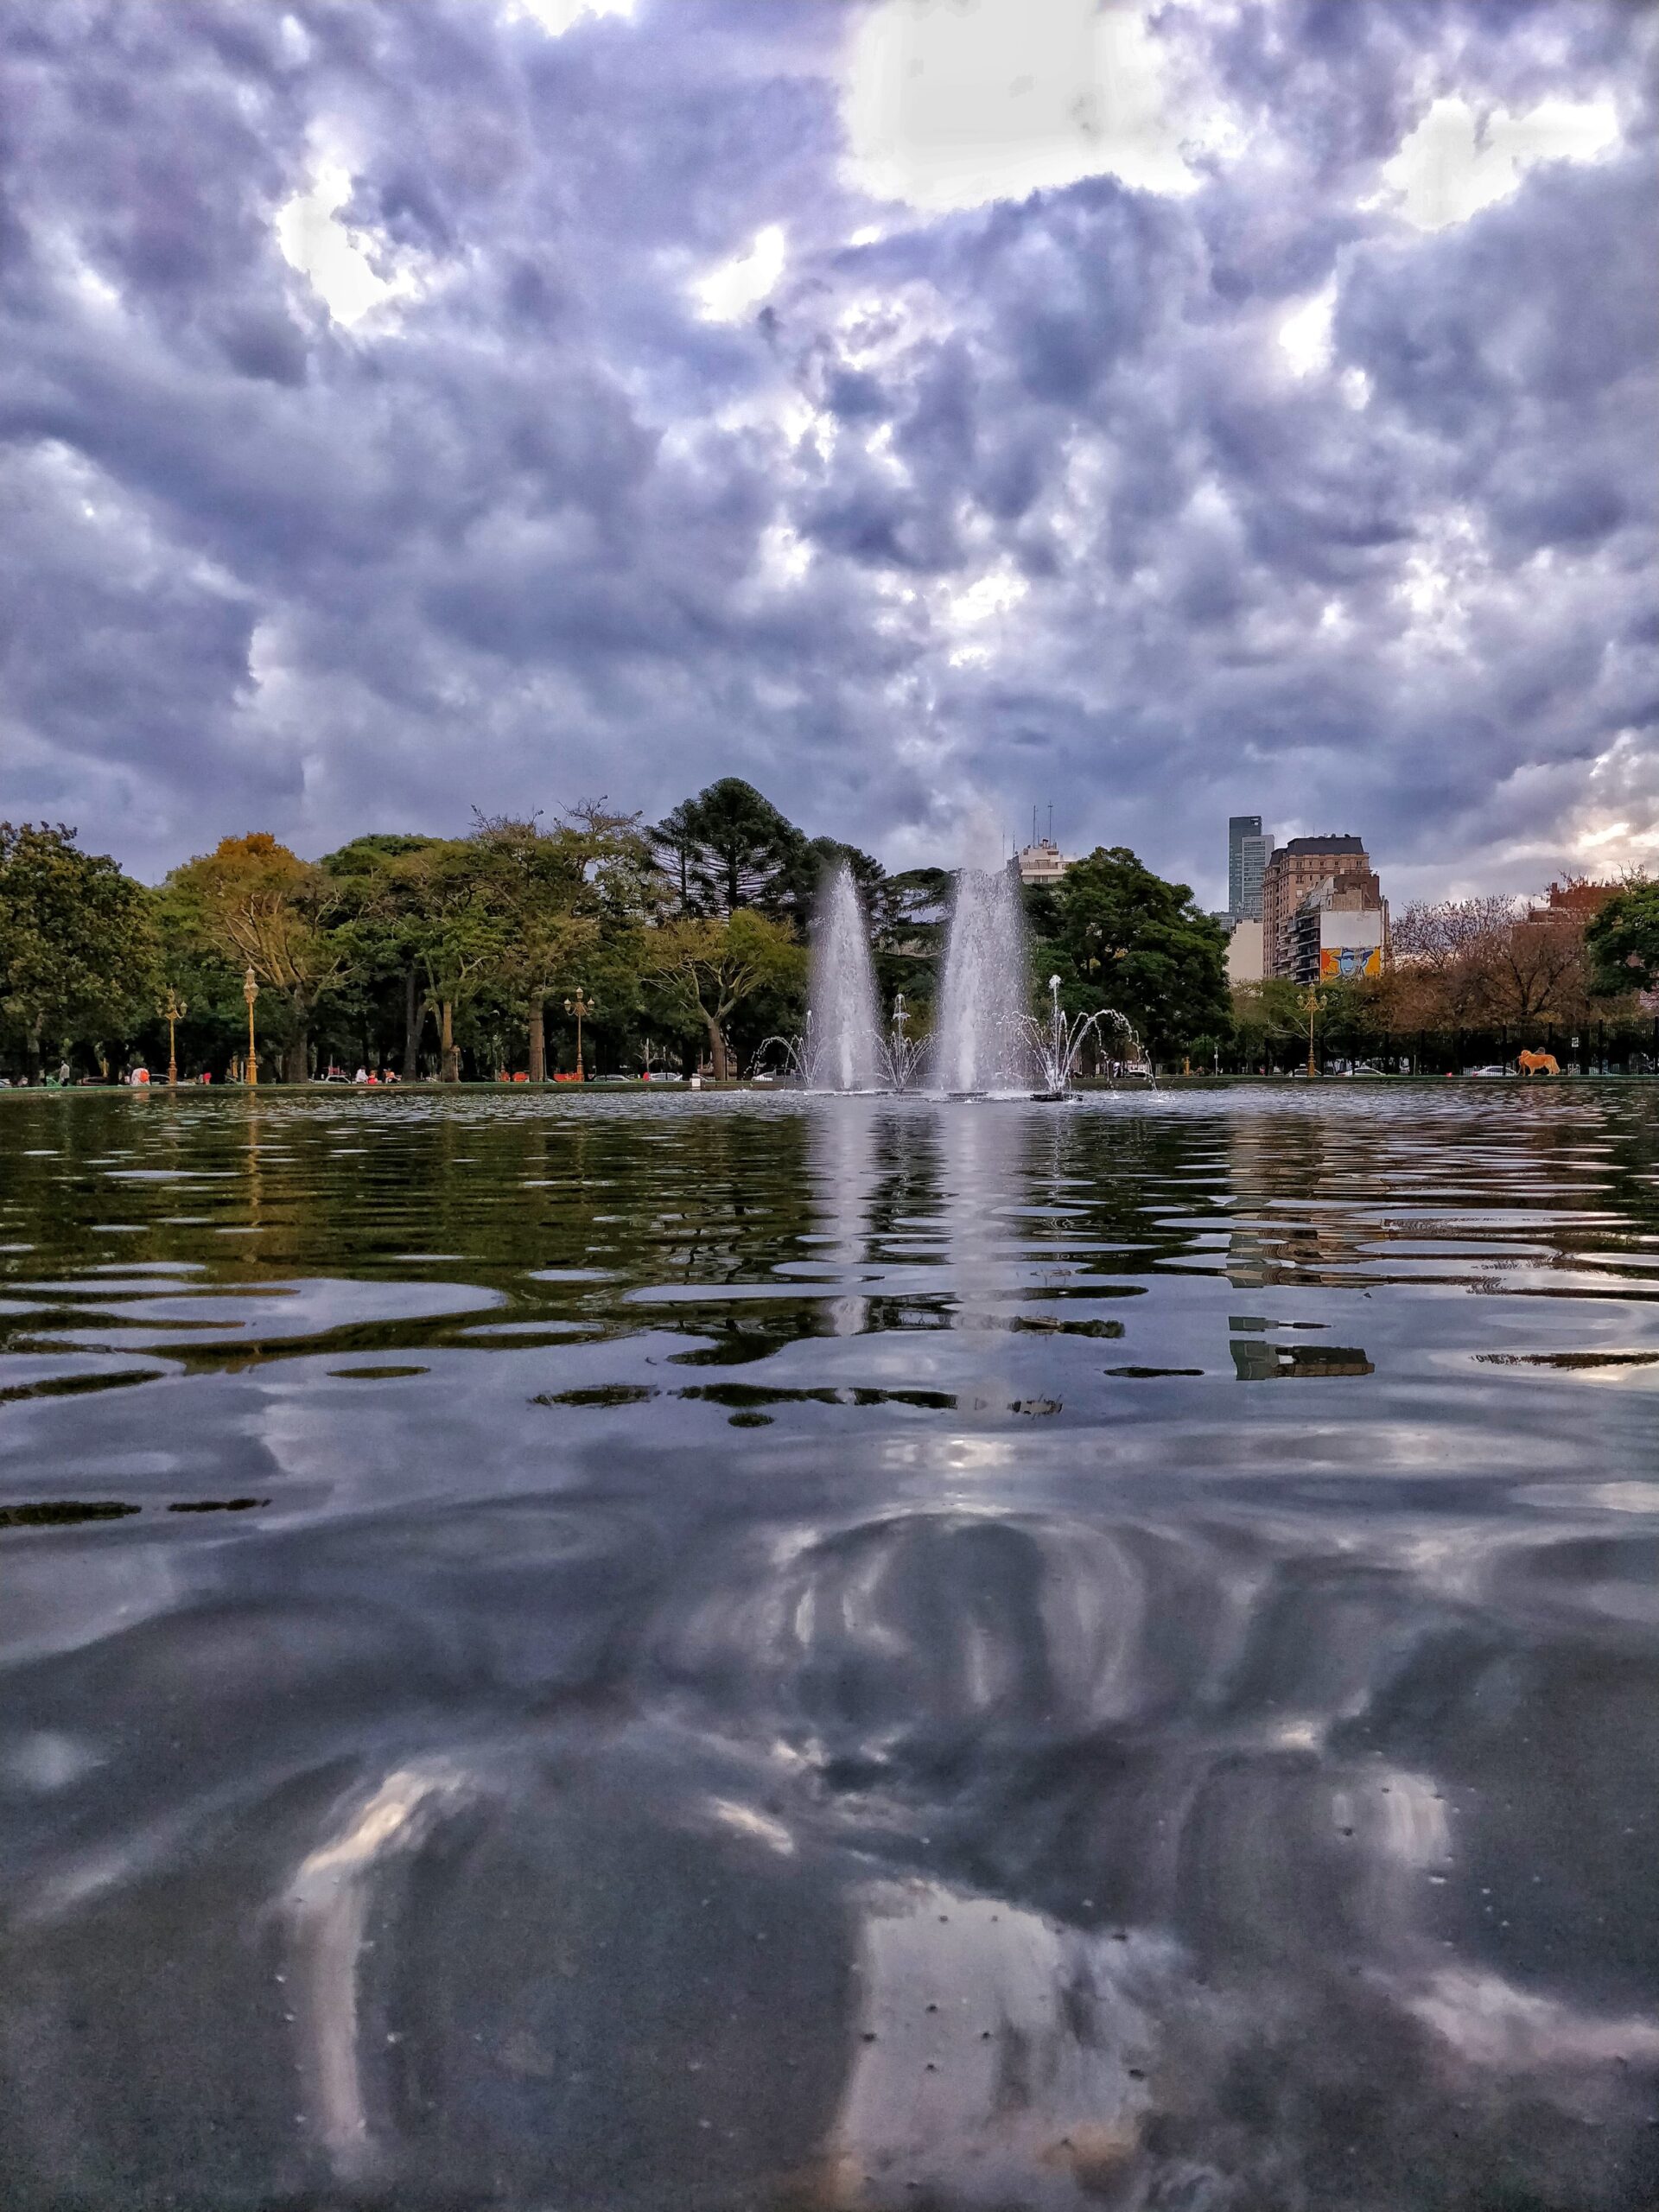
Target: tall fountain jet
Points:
(846, 1053)
(982, 1040)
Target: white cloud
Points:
(1356, 387)
(994, 593)
(1305, 334)
(328, 254)
(951, 102)
(1457, 161)
(737, 287)
(782, 558)
(558, 16)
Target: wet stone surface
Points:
(737, 1653)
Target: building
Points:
(1295, 869)
(1248, 853)
(1255, 853)
(1338, 932)
(1244, 951)
(1578, 896)
(1043, 862)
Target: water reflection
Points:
(1015, 1766)
(843, 1152)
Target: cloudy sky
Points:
(924, 409)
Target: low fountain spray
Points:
(1056, 1044)
(903, 1053)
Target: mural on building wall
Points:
(1344, 963)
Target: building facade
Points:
(1249, 850)
(1244, 951)
(1578, 896)
(1042, 861)
(1306, 865)
(1338, 934)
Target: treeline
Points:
(683, 943)
(679, 944)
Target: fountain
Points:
(1056, 1044)
(904, 1054)
(986, 1041)
(841, 1048)
(982, 1038)
(843, 1032)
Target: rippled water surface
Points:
(698, 1654)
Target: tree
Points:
(461, 934)
(1138, 943)
(794, 891)
(78, 948)
(536, 879)
(259, 906)
(1440, 978)
(1267, 1015)
(706, 967)
(557, 888)
(378, 908)
(728, 848)
(1464, 964)
(1623, 940)
(676, 846)
(1537, 970)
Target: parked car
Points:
(1493, 1068)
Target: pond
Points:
(760, 1651)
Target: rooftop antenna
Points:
(1033, 826)
(1051, 821)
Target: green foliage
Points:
(728, 848)
(259, 907)
(909, 915)
(1623, 941)
(1265, 1015)
(1124, 937)
(691, 931)
(79, 953)
(703, 968)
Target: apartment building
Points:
(1306, 865)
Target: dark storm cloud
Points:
(1019, 501)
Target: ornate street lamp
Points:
(251, 992)
(1311, 1003)
(173, 1013)
(580, 1006)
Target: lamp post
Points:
(173, 1013)
(251, 992)
(1311, 1003)
(579, 1006)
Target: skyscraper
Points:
(1248, 853)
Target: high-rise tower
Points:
(1248, 853)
